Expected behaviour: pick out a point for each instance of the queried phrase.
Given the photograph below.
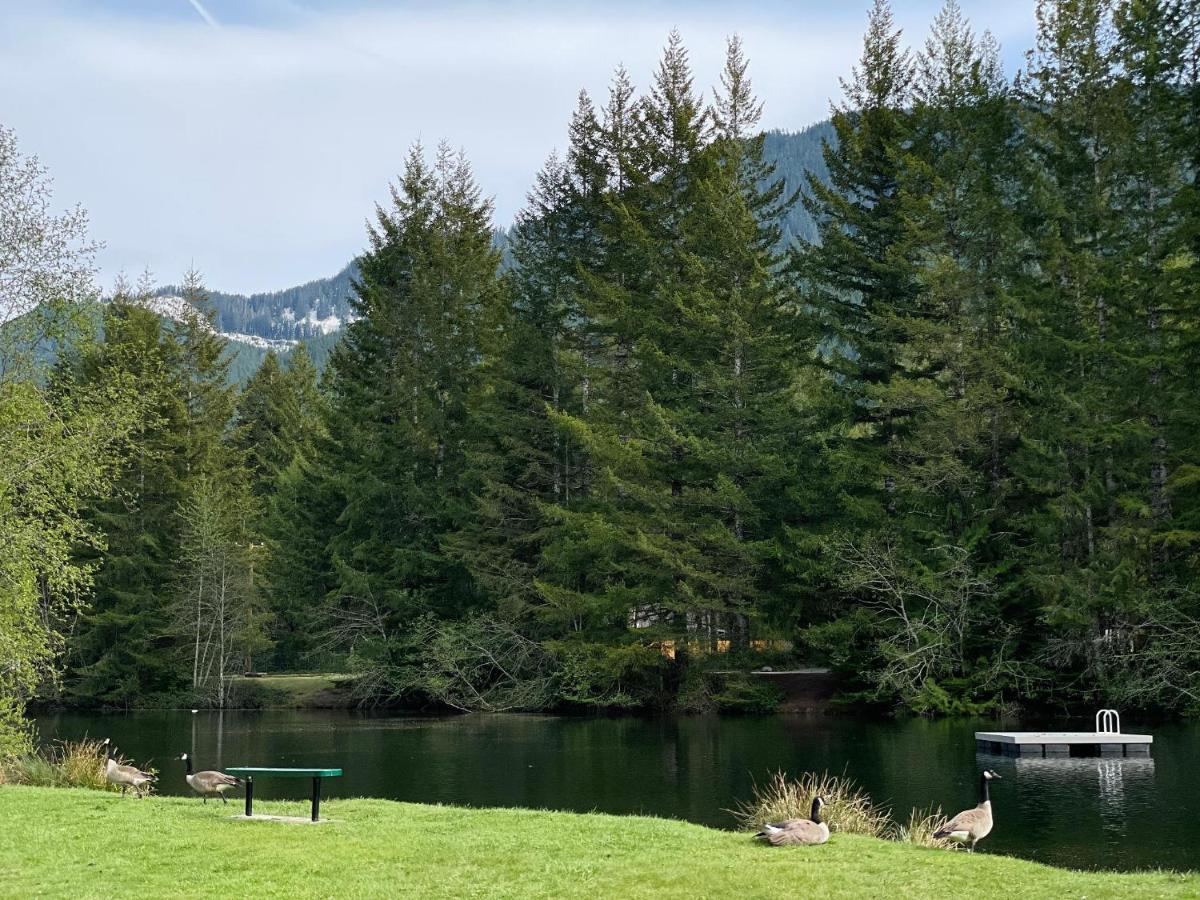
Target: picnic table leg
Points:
(249, 796)
(316, 804)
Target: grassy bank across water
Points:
(294, 691)
(80, 843)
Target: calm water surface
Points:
(1084, 813)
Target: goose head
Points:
(817, 803)
(985, 777)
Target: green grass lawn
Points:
(296, 691)
(79, 843)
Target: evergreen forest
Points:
(927, 417)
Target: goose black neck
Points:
(816, 813)
(189, 765)
(984, 796)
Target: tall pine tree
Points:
(400, 386)
(125, 647)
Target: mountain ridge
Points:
(317, 310)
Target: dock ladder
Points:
(1108, 721)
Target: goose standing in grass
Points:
(798, 831)
(126, 776)
(210, 784)
(972, 825)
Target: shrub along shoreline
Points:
(701, 691)
(80, 843)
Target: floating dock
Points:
(1063, 743)
(1106, 740)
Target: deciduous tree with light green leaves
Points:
(58, 453)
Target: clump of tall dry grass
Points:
(65, 764)
(920, 828)
(848, 809)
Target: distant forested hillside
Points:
(305, 311)
(796, 155)
(246, 359)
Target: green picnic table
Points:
(249, 773)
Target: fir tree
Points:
(124, 649)
(203, 372)
(277, 416)
(1074, 460)
(524, 464)
(400, 387)
(263, 424)
(1151, 51)
(857, 280)
(690, 373)
(279, 425)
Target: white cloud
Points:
(258, 151)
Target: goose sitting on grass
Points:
(210, 784)
(798, 831)
(971, 826)
(126, 776)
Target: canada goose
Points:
(798, 831)
(125, 776)
(971, 825)
(209, 784)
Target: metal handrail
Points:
(1106, 719)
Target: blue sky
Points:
(252, 137)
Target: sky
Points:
(252, 138)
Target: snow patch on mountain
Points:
(327, 325)
(177, 309)
(280, 345)
(173, 307)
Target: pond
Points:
(1083, 813)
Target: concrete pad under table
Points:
(287, 820)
